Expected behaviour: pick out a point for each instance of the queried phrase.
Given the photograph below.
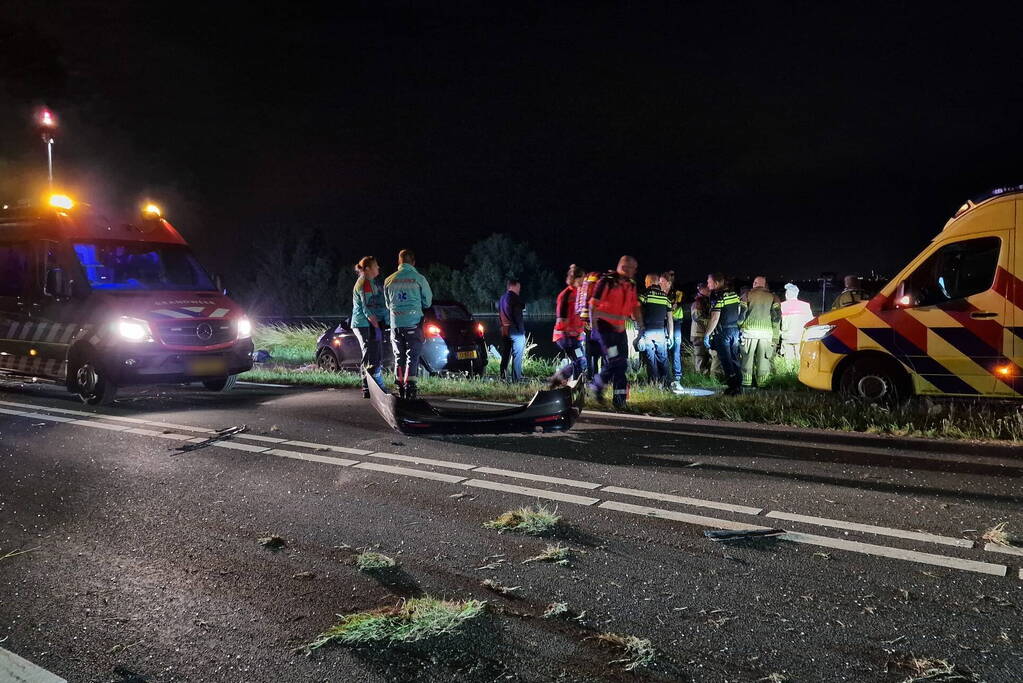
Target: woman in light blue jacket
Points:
(368, 316)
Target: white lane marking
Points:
(871, 529)
(311, 457)
(133, 420)
(336, 449)
(261, 384)
(534, 493)
(673, 515)
(143, 432)
(15, 669)
(420, 461)
(537, 477)
(1004, 549)
(421, 474)
(99, 425)
(897, 553)
(696, 502)
(36, 416)
(257, 437)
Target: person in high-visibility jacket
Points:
(369, 315)
(657, 322)
(722, 333)
(761, 329)
(795, 314)
(407, 294)
(614, 301)
(678, 315)
(591, 345)
(568, 328)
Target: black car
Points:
(453, 343)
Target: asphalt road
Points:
(144, 562)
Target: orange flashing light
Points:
(480, 329)
(151, 210)
(432, 331)
(61, 201)
(1003, 370)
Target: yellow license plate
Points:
(205, 367)
(466, 355)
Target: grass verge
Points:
(408, 621)
(528, 520)
(288, 343)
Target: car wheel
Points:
(874, 380)
(221, 383)
(327, 361)
(91, 383)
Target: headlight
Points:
(134, 330)
(244, 328)
(817, 332)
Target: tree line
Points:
(297, 277)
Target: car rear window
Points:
(446, 312)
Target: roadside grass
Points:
(368, 561)
(527, 520)
(555, 554)
(409, 621)
(637, 652)
(783, 402)
(288, 343)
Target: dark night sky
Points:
(787, 139)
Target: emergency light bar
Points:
(61, 201)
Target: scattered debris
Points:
(408, 621)
(895, 640)
(304, 576)
(15, 553)
(774, 678)
(495, 587)
(275, 428)
(926, 669)
(558, 554)
(498, 560)
(556, 609)
(528, 520)
(273, 542)
(368, 561)
(116, 649)
(823, 556)
(638, 651)
(731, 535)
(458, 496)
(999, 536)
(219, 435)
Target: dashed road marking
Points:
(534, 493)
(15, 669)
(99, 425)
(408, 472)
(336, 449)
(420, 461)
(312, 457)
(871, 529)
(675, 516)
(236, 446)
(696, 502)
(1004, 549)
(537, 477)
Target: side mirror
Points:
(56, 285)
(218, 282)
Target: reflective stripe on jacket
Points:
(568, 322)
(614, 300)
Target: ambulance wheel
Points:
(91, 384)
(221, 384)
(327, 361)
(874, 380)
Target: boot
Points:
(411, 391)
(401, 389)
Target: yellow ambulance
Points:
(949, 324)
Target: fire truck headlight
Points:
(244, 328)
(817, 332)
(134, 330)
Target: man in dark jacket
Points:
(513, 331)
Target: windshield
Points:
(443, 312)
(139, 266)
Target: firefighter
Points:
(678, 314)
(698, 330)
(407, 294)
(368, 315)
(852, 294)
(591, 344)
(794, 316)
(568, 328)
(761, 329)
(722, 333)
(657, 322)
(613, 302)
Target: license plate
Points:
(205, 367)
(466, 355)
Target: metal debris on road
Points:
(718, 535)
(220, 435)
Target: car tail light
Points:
(432, 331)
(480, 329)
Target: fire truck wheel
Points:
(91, 384)
(222, 383)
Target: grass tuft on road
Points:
(638, 652)
(926, 669)
(999, 536)
(555, 610)
(534, 521)
(555, 554)
(368, 561)
(409, 621)
(273, 542)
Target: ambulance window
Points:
(955, 271)
(15, 268)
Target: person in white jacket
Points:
(794, 316)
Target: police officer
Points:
(368, 315)
(678, 314)
(722, 333)
(407, 294)
(657, 323)
(614, 301)
(568, 328)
